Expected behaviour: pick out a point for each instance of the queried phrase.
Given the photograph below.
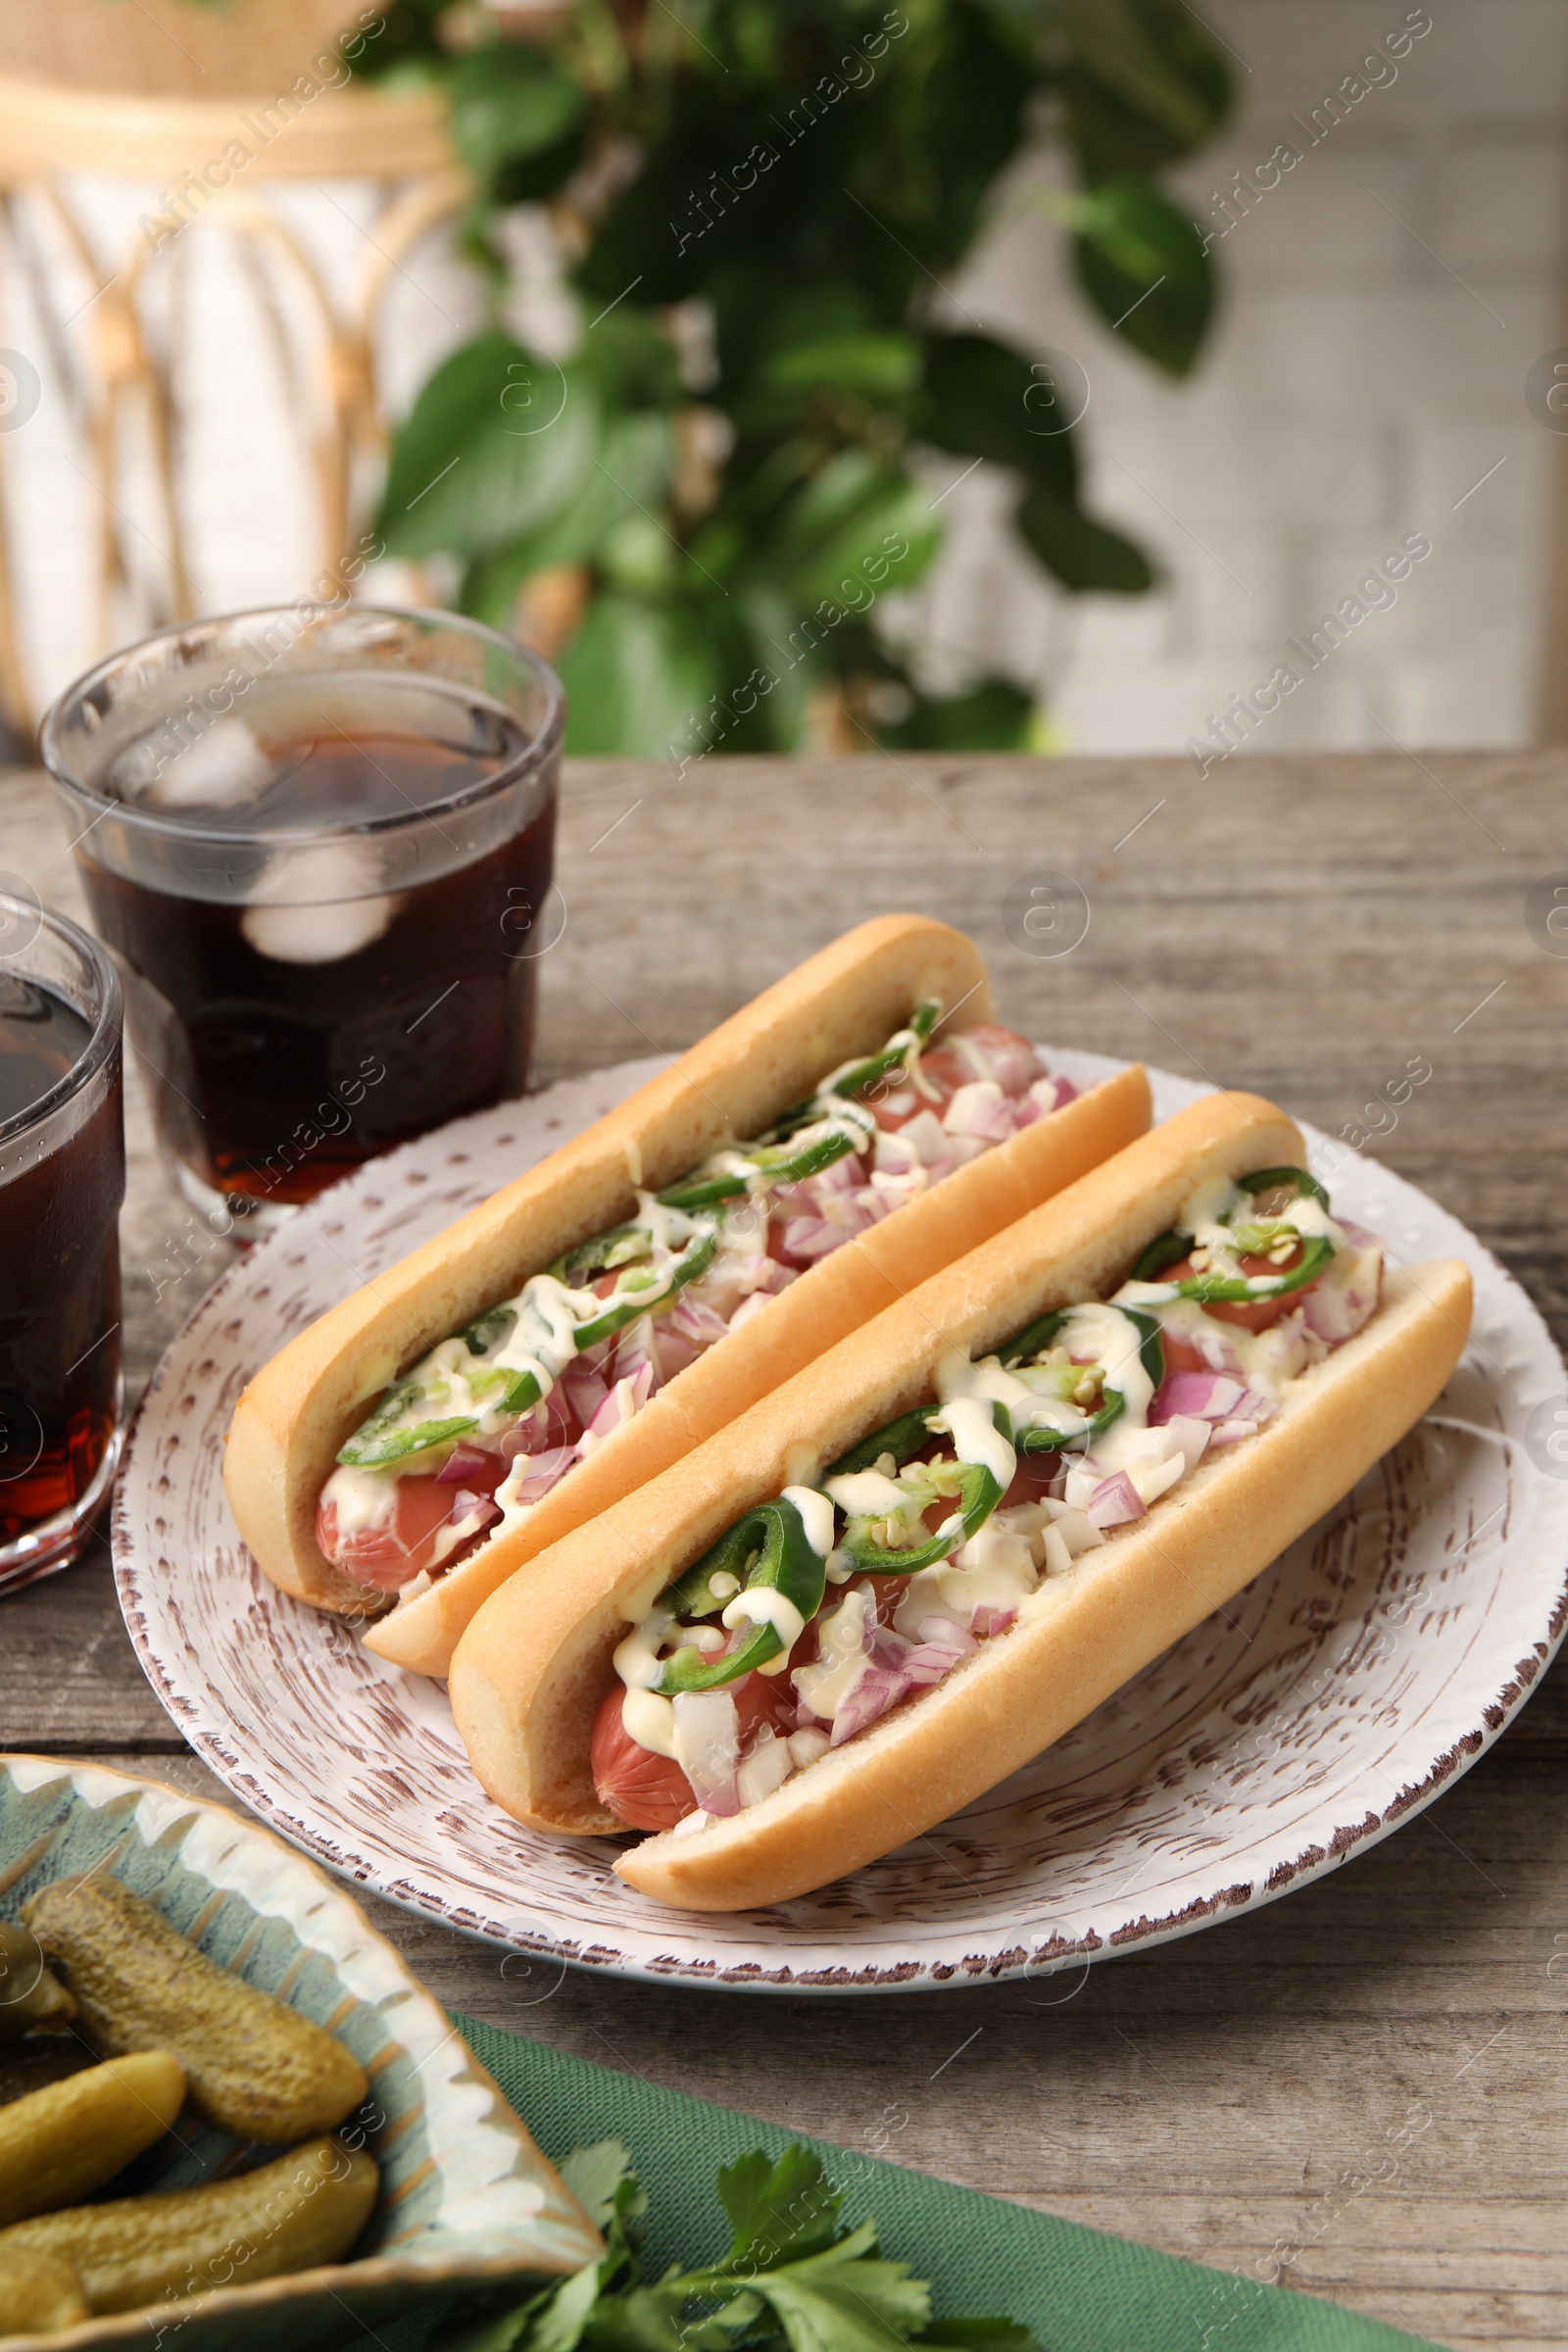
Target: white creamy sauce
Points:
(817, 1517)
(650, 1720)
(841, 1634)
(636, 1659)
(765, 1604)
(869, 1494)
(671, 1228)
(976, 1438)
(1200, 1212)
(362, 1499)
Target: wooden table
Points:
(1305, 926)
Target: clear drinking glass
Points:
(319, 842)
(61, 1181)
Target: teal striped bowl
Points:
(467, 2201)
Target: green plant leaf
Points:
(1129, 46)
(778, 2211)
(516, 117)
(1081, 552)
(639, 678)
(983, 400)
(1115, 138)
(632, 360)
(993, 716)
(496, 443)
(1142, 266)
(877, 366)
(631, 472)
(596, 2175)
(844, 2300)
(859, 528)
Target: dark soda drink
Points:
(325, 887)
(61, 1181)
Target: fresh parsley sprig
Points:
(792, 2280)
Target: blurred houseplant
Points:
(759, 203)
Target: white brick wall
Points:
(1352, 391)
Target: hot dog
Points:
(616, 1304)
(896, 1580)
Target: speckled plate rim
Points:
(242, 1857)
(1493, 1706)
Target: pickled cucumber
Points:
(60, 2144)
(30, 1998)
(32, 2065)
(303, 2209)
(39, 2293)
(252, 2066)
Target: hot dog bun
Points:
(294, 1415)
(528, 1676)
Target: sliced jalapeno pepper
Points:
(767, 1549)
(1039, 1335)
(1263, 1180)
(641, 1289)
(487, 1331)
(863, 1074)
(377, 1442)
(1161, 1253)
(778, 1163)
(920, 1023)
(621, 1246)
(1240, 1289)
(978, 1496)
(1171, 1246)
(513, 1392)
(902, 1439)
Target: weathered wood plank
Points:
(1305, 926)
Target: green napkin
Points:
(1076, 2289)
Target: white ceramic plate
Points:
(1346, 1686)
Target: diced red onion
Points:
(1191, 1435)
(987, 1622)
(584, 1394)
(896, 1156)
(988, 1051)
(1256, 1407)
(545, 1470)
(470, 1466)
(1115, 1502)
(839, 1176)
(813, 1238)
(634, 1348)
(531, 1435)
(981, 1111)
(708, 1744)
(925, 1137)
(622, 1403)
(675, 1351)
(878, 1689)
(1344, 1297)
(472, 1513)
(1230, 1432)
(691, 1321)
(1200, 1396)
